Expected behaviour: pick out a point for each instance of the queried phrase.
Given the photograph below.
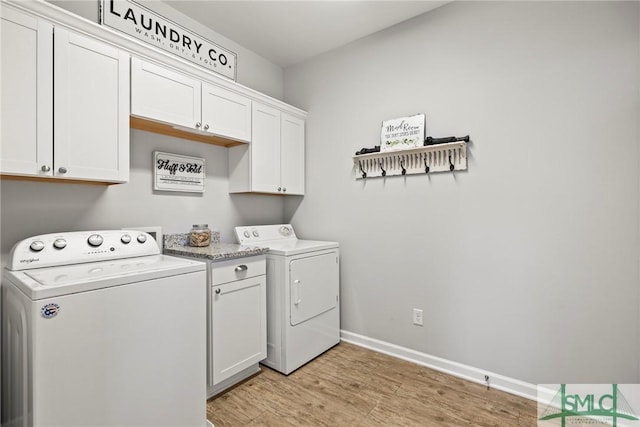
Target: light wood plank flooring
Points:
(353, 386)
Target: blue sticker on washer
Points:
(50, 310)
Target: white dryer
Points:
(303, 295)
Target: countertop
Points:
(178, 244)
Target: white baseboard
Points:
(470, 373)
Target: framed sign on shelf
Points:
(402, 133)
(175, 172)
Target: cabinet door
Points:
(164, 95)
(239, 326)
(26, 88)
(265, 149)
(226, 113)
(91, 109)
(292, 154)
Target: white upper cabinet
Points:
(26, 86)
(274, 161)
(226, 113)
(265, 149)
(292, 154)
(174, 98)
(161, 94)
(91, 109)
(66, 117)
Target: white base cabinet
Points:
(66, 116)
(238, 320)
(274, 161)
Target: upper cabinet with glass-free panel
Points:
(90, 109)
(226, 113)
(66, 116)
(167, 101)
(274, 161)
(161, 94)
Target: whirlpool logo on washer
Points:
(50, 310)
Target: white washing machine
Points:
(303, 294)
(100, 329)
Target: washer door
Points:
(314, 285)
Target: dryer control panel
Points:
(256, 234)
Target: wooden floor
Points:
(353, 386)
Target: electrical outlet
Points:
(417, 317)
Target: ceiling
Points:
(288, 32)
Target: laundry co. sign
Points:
(136, 20)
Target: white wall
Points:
(253, 70)
(526, 264)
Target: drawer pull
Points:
(241, 268)
(217, 291)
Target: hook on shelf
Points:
(426, 166)
(364, 174)
(384, 172)
(451, 167)
(404, 171)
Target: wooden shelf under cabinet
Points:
(171, 130)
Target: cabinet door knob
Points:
(279, 188)
(218, 291)
(198, 124)
(45, 168)
(206, 127)
(62, 169)
(284, 189)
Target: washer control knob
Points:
(255, 233)
(247, 234)
(59, 243)
(126, 239)
(95, 240)
(36, 246)
(142, 238)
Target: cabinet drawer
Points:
(237, 269)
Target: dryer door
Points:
(314, 286)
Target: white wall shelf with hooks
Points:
(448, 157)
